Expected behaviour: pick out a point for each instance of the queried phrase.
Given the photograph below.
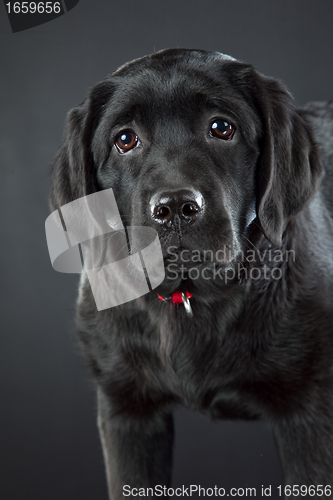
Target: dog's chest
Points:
(194, 361)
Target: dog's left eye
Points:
(222, 130)
(125, 141)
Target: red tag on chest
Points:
(176, 297)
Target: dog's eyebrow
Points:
(226, 105)
(122, 119)
(124, 115)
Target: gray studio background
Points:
(49, 447)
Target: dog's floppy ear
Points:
(290, 168)
(73, 169)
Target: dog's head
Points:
(195, 144)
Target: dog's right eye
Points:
(125, 141)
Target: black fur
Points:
(256, 348)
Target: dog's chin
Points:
(202, 280)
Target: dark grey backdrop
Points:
(49, 442)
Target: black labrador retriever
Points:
(217, 159)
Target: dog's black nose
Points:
(185, 204)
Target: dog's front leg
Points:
(305, 443)
(137, 449)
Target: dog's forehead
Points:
(175, 74)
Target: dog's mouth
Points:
(199, 273)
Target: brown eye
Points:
(222, 130)
(126, 140)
